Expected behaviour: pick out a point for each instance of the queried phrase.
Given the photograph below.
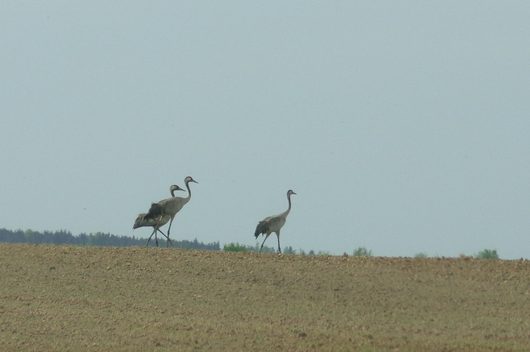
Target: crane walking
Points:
(170, 206)
(156, 222)
(273, 224)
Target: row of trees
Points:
(92, 239)
(107, 239)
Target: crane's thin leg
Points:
(169, 229)
(262, 243)
(149, 239)
(156, 238)
(279, 248)
(168, 241)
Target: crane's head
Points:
(174, 188)
(189, 179)
(290, 192)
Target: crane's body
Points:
(273, 224)
(169, 206)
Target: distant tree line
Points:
(107, 239)
(92, 239)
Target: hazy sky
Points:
(404, 126)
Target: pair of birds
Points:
(165, 210)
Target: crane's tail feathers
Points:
(155, 211)
(261, 228)
(139, 222)
(143, 221)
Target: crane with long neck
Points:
(273, 224)
(170, 206)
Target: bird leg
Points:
(168, 241)
(279, 248)
(262, 243)
(169, 229)
(149, 239)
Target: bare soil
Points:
(57, 298)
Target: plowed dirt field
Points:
(57, 298)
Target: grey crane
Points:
(156, 222)
(170, 206)
(273, 224)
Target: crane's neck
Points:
(189, 191)
(289, 200)
(173, 193)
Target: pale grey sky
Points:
(404, 126)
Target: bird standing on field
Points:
(170, 206)
(273, 224)
(156, 222)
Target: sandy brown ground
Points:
(55, 298)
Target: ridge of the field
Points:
(66, 298)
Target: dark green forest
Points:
(93, 239)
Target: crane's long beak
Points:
(195, 181)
